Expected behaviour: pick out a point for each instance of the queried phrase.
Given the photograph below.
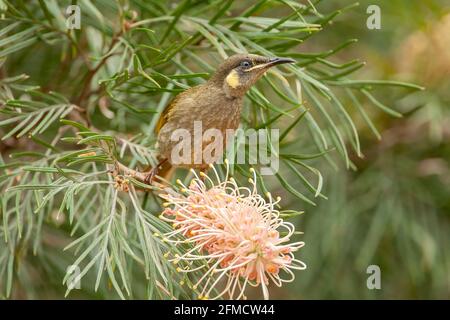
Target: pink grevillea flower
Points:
(237, 232)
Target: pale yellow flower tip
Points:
(166, 254)
(226, 161)
(202, 174)
(166, 204)
(179, 182)
(268, 195)
(211, 165)
(179, 269)
(252, 170)
(181, 282)
(232, 179)
(156, 234)
(278, 198)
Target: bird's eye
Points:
(245, 64)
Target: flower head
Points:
(238, 232)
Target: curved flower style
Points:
(235, 230)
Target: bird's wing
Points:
(165, 115)
(168, 111)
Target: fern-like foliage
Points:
(88, 106)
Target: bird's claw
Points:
(151, 175)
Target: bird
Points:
(215, 104)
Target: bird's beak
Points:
(275, 61)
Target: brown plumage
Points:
(216, 104)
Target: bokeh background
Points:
(392, 210)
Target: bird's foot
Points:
(151, 175)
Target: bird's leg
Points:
(153, 172)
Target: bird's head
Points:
(240, 71)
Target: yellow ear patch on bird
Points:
(233, 79)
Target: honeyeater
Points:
(215, 104)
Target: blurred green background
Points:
(394, 211)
